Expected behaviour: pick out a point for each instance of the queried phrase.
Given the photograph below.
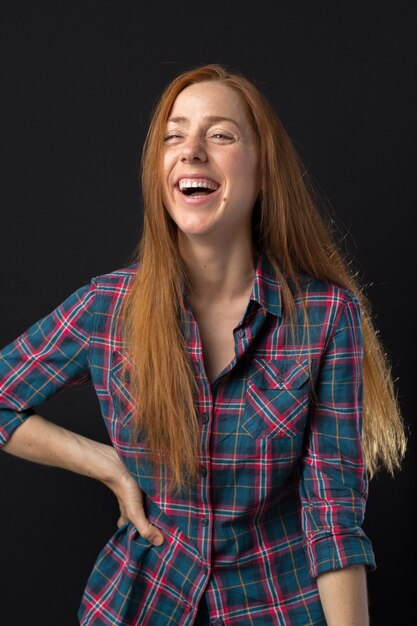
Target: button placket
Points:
(204, 497)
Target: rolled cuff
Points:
(9, 421)
(328, 551)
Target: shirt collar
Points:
(266, 288)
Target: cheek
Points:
(166, 168)
(167, 200)
(246, 171)
(168, 161)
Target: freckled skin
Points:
(209, 135)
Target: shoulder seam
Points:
(348, 299)
(94, 322)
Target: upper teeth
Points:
(187, 183)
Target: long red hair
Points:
(288, 229)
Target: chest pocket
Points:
(120, 388)
(277, 399)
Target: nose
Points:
(193, 150)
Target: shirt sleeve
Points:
(334, 483)
(51, 354)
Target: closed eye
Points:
(222, 136)
(172, 138)
(218, 137)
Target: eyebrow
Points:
(179, 119)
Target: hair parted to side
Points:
(289, 230)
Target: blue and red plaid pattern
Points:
(282, 487)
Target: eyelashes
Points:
(217, 137)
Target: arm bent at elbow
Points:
(41, 441)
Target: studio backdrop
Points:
(79, 80)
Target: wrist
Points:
(100, 461)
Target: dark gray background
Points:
(78, 80)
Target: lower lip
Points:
(196, 200)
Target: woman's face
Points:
(209, 170)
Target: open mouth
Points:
(197, 186)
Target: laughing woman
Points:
(245, 394)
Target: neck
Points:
(219, 273)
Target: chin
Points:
(194, 231)
(194, 226)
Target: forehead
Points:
(210, 98)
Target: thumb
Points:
(131, 499)
(144, 527)
(147, 530)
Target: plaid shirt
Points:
(282, 486)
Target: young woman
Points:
(233, 364)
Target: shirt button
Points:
(205, 418)
(204, 521)
(241, 333)
(203, 471)
(217, 622)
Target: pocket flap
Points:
(280, 374)
(120, 386)
(120, 365)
